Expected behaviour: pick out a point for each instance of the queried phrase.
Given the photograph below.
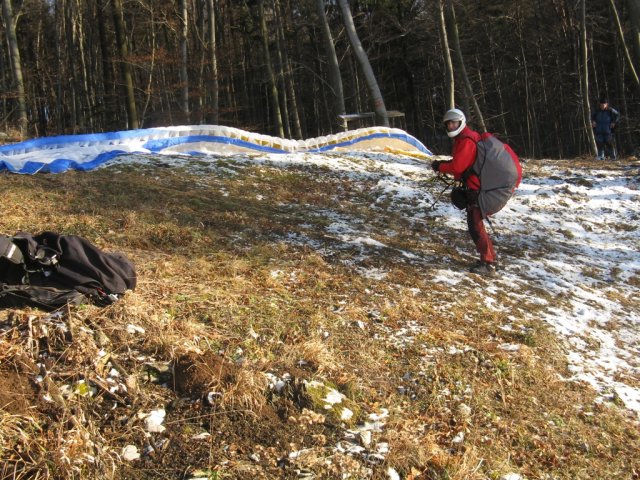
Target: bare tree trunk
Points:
(125, 67)
(634, 15)
(498, 87)
(273, 87)
(626, 132)
(16, 65)
(627, 55)
(215, 101)
(107, 72)
(363, 60)
(450, 100)
(584, 80)
(530, 109)
(288, 73)
(544, 82)
(152, 63)
(83, 80)
(281, 73)
(335, 79)
(453, 30)
(203, 36)
(184, 78)
(60, 72)
(4, 87)
(72, 87)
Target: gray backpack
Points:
(499, 170)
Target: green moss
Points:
(328, 400)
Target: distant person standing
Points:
(604, 121)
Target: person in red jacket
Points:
(464, 152)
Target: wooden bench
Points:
(370, 118)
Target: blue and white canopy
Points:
(86, 152)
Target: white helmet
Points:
(455, 115)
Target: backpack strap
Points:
(10, 251)
(469, 171)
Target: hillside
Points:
(311, 316)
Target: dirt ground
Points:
(253, 437)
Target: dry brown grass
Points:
(219, 285)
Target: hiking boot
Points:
(483, 268)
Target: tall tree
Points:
(16, 64)
(184, 77)
(449, 80)
(215, 88)
(623, 43)
(108, 84)
(363, 60)
(294, 113)
(531, 123)
(584, 78)
(335, 79)
(281, 71)
(634, 15)
(462, 69)
(273, 86)
(125, 67)
(151, 29)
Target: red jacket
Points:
(465, 147)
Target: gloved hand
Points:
(435, 165)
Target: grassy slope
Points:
(221, 290)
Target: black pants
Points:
(604, 142)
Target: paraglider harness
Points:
(499, 171)
(49, 271)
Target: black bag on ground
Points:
(45, 298)
(51, 270)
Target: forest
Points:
(527, 70)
